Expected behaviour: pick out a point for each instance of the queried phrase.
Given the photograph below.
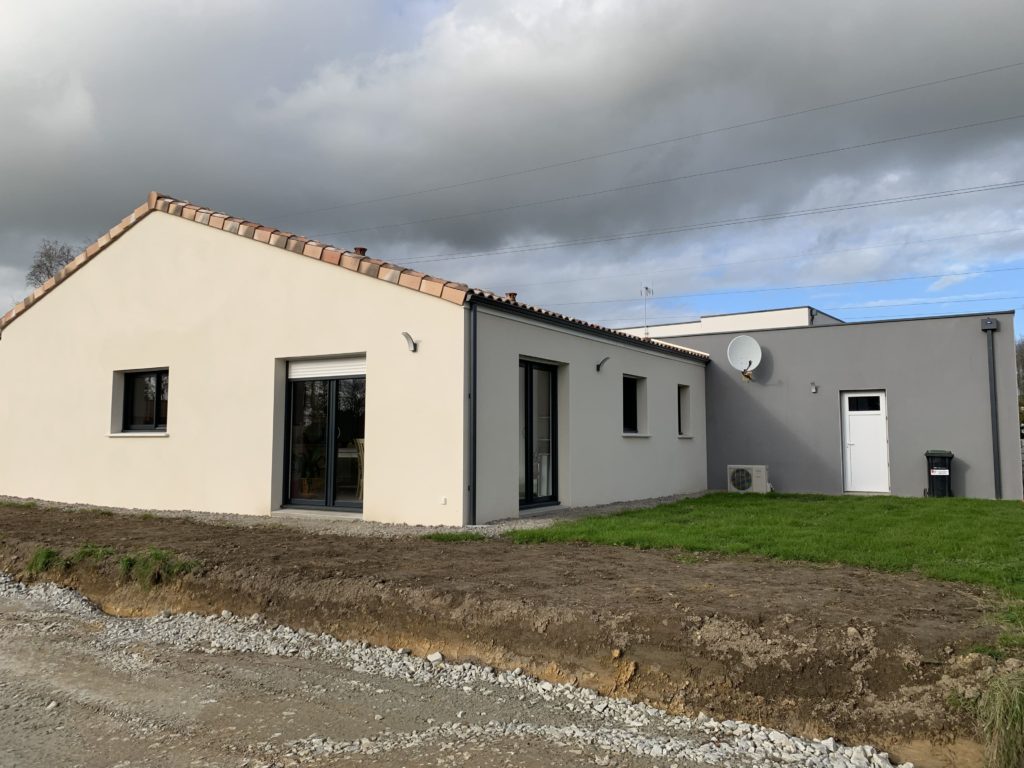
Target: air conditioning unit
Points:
(747, 478)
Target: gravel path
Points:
(79, 687)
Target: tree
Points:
(50, 258)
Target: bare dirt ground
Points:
(816, 651)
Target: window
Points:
(865, 403)
(145, 401)
(538, 433)
(683, 410)
(634, 405)
(327, 440)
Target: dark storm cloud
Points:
(268, 110)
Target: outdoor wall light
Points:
(602, 363)
(413, 345)
(814, 388)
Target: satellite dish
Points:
(744, 355)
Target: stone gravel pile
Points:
(616, 725)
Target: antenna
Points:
(744, 354)
(646, 292)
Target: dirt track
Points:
(78, 690)
(867, 657)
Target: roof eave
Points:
(553, 318)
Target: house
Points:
(852, 407)
(192, 360)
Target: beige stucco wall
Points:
(596, 463)
(223, 313)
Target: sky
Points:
(575, 152)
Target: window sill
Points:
(635, 434)
(140, 433)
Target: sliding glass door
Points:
(349, 442)
(538, 418)
(326, 442)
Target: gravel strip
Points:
(616, 726)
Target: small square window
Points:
(683, 410)
(634, 405)
(145, 401)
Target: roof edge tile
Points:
(354, 261)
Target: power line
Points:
(795, 287)
(791, 257)
(651, 145)
(529, 247)
(671, 179)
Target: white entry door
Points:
(865, 442)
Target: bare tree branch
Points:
(50, 258)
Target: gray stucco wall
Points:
(935, 375)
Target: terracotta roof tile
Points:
(411, 279)
(351, 261)
(312, 249)
(263, 234)
(75, 263)
(280, 239)
(390, 273)
(455, 293)
(370, 267)
(296, 243)
(355, 261)
(432, 285)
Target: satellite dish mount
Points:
(744, 354)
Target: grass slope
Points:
(970, 540)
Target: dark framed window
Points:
(683, 410)
(538, 434)
(630, 405)
(145, 401)
(326, 442)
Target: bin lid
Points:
(939, 454)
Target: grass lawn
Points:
(969, 540)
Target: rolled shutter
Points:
(327, 368)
